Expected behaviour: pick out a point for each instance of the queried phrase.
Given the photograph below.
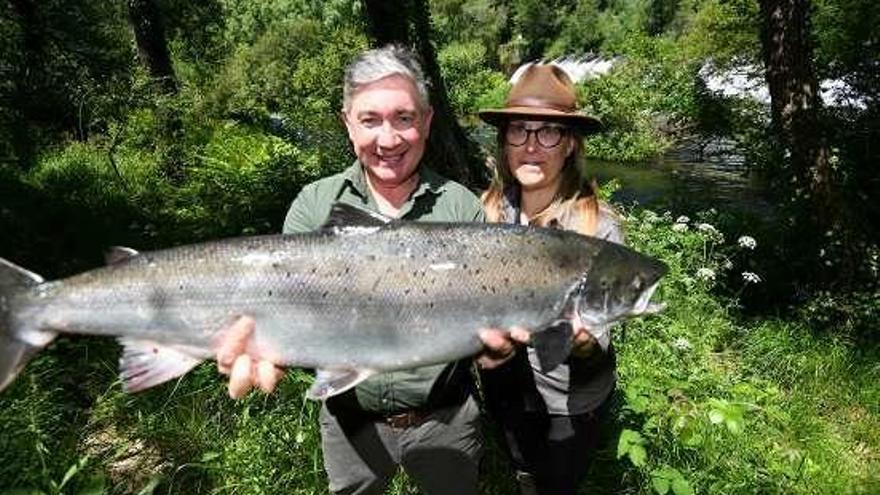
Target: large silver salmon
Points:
(356, 298)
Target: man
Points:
(423, 419)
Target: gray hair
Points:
(380, 63)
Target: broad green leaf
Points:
(734, 426)
(680, 486)
(628, 439)
(661, 484)
(638, 455)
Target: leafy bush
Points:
(707, 403)
(470, 84)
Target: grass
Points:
(707, 403)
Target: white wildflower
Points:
(747, 242)
(679, 227)
(705, 227)
(682, 219)
(710, 232)
(681, 343)
(727, 264)
(652, 217)
(751, 278)
(706, 274)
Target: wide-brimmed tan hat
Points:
(543, 92)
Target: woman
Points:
(550, 420)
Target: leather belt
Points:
(407, 419)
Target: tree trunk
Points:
(795, 105)
(449, 150)
(819, 248)
(21, 96)
(152, 46)
(388, 21)
(149, 36)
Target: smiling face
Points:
(534, 165)
(388, 127)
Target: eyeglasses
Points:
(547, 136)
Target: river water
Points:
(684, 186)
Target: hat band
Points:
(540, 103)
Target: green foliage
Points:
(651, 83)
(64, 67)
(471, 86)
(725, 32)
(470, 21)
(580, 31)
(707, 402)
(286, 70)
(620, 20)
(632, 445)
(245, 22)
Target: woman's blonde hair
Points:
(575, 206)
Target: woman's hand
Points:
(244, 372)
(583, 342)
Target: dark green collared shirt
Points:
(436, 199)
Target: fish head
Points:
(619, 284)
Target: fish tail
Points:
(16, 347)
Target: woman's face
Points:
(536, 152)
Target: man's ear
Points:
(429, 114)
(349, 126)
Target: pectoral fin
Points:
(145, 364)
(334, 382)
(553, 344)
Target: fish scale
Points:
(354, 300)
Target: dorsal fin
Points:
(345, 215)
(118, 254)
(12, 275)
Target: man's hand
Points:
(244, 372)
(500, 346)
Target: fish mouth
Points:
(610, 313)
(643, 304)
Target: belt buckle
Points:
(406, 419)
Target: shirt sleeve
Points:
(470, 208)
(478, 214)
(610, 227)
(301, 215)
